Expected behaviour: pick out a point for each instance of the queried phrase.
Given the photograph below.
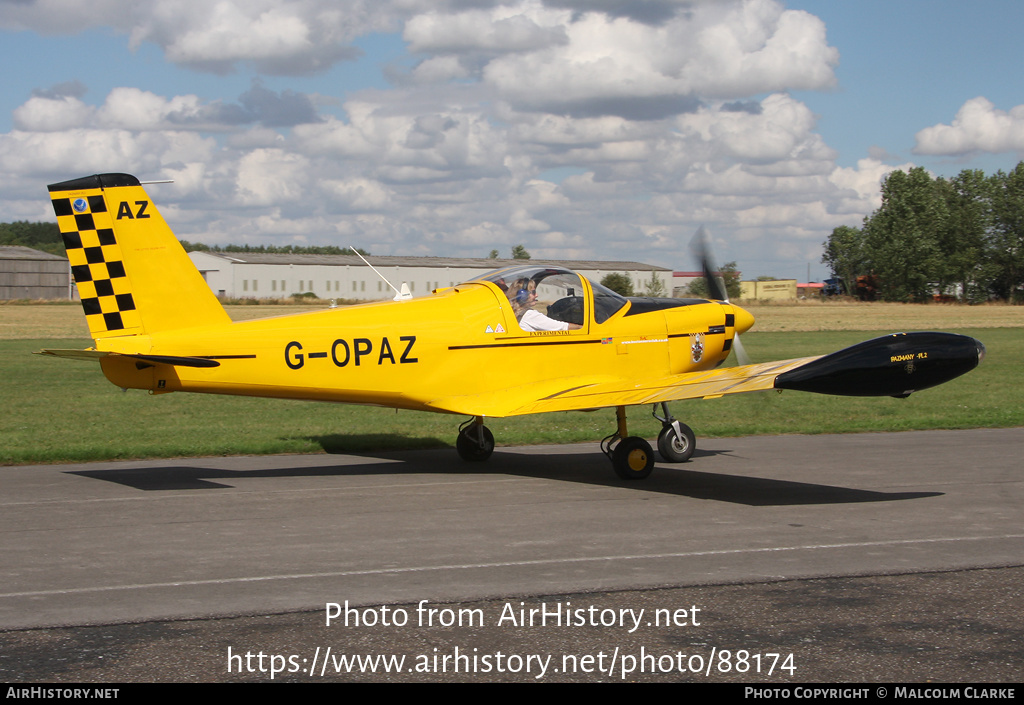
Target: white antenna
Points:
(403, 295)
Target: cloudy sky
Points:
(608, 129)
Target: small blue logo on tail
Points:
(80, 205)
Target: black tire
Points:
(469, 448)
(674, 449)
(633, 458)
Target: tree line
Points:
(274, 249)
(46, 237)
(38, 236)
(960, 237)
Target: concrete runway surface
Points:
(199, 540)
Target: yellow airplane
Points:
(478, 349)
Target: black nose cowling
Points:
(891, 366)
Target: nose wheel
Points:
(676, 442)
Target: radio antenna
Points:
(403, 295)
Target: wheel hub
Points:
(637, 459)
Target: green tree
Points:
(275, 249)
(1005, 240)
(493, 255)
(519, 252)
(845, 254)
(38, 236)
(964, 234)
(654, 286)
(728, 273)
(619, 283)
(902, 236)
(962, 241)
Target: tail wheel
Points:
(633, 458)
(676, 447)
(475, 443)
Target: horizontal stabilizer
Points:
(175, 360)
(89, 354)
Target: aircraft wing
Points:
(893, 365)
(571, 394)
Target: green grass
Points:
(62, 410)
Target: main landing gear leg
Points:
(475, 442)
(676, 441)
(632, 457)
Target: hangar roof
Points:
(435, 262)
(19, 252)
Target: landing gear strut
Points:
(676, 442)
(632, 457)
(475, 442)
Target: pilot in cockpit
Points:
(523, 296)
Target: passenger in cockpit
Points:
(523, 295)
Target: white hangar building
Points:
(278, 276)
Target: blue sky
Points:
(909, 64)
(421, 127)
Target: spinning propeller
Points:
(716, 286)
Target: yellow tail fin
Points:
(133, 275)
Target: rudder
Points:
(133, 275)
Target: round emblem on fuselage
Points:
(697, 347)
(80, 205)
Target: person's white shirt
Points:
(534, 320)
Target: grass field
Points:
(19, 322)
(60, 410)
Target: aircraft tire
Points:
(469, 447)
(674, 449)
(633, 458)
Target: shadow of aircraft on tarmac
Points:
(578, 464)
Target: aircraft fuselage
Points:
(408, 354)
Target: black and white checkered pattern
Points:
(96, 263)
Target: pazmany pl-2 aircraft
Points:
(478, 349)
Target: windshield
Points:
(606, 302)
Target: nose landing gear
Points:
(632, 456)
(676, 442)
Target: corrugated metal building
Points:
(278, 276)
(771, 290)
(30, 274)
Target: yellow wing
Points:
(569, 394)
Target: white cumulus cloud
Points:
(52, 114)
(978, 127)
(614, 65)
(580, 128)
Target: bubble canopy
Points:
(562, 289)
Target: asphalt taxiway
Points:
(138, 542)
